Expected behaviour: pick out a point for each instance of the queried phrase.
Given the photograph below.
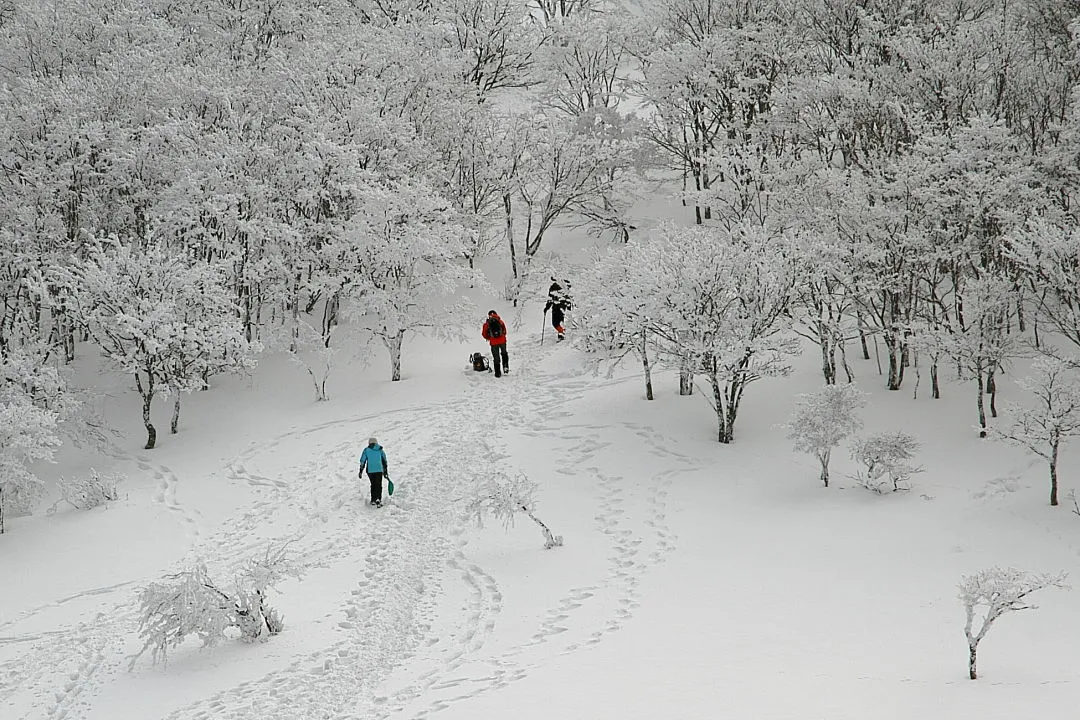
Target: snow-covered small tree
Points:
(984, 341)
(1053, 418)
(990, 593)
(314, 350)
(158, 314)
(823, 305)
(191, 603)
(618, 294)
(824, 419)
(409, 246)
(885, 457)
(502, 496)
(725, 303)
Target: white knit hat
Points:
(372, 441)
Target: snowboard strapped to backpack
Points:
(479, 362)
(494, 328)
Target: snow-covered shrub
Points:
(885, 458)
(191, 603)
(27, 435)
(83, 492)
(989, 594)
(823, 419)
(502, 497)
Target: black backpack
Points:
(479, 362)
(495, 328)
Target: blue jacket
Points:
(374, 459)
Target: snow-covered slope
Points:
(697, 580)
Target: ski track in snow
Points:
(536, 405)
(402, 557)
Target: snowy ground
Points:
(697, 580)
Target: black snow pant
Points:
(557, 317)
(502, 360)
(376, 486)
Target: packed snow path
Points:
(388, 639)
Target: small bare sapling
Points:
(822, 420)
(885, 458)
(502, 497)
(191, 603)
(989, 594)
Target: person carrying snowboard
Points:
(558, 302)
(495, 333)
(374, 460)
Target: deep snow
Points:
(697, 580)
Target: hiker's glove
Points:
(360, 474)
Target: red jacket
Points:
(501, 340)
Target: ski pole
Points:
(543, 328)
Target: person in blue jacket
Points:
(374, 460)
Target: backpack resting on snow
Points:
(479, 362)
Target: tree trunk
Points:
(972, 674)
(294, 336)
(1055, 445)
(1, 509)
(320, 386)
(686, 377)
(175, 423)
(723, 431)
(647, 367)
(843, 361)
(508, 208)
(147, 393)
(824, 459)
(330, 315)
(991, 388)
(862, 338)
(981, 391)
(896, 368)
(393, 344)
(828, 360)
(935, 387)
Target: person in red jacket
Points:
(495, 333)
